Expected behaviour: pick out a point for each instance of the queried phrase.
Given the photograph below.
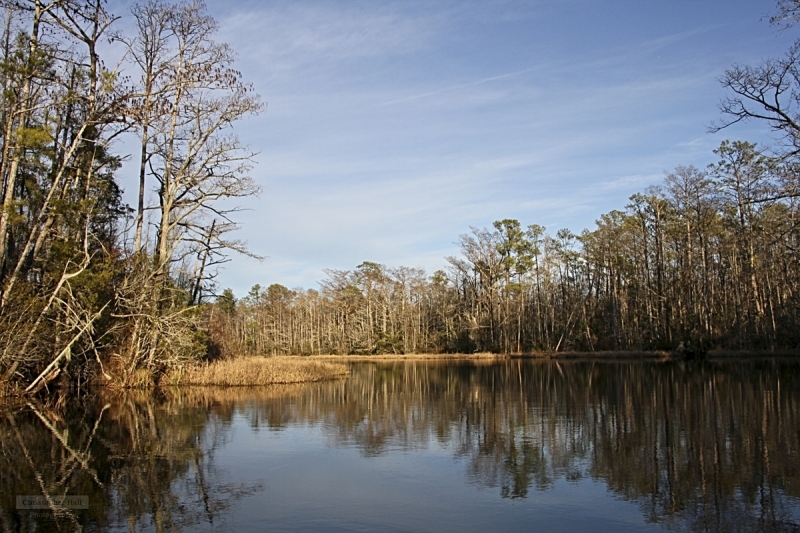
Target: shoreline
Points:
(655, 355)
(262, 371)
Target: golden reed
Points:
(250, 371)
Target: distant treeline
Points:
(710, 257)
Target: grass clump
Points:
(251, 371)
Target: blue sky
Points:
(392, 127)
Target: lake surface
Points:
(423, 446)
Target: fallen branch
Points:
(67, 351)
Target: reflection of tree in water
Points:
(145, 464)
(701, 447)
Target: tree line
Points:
(88, 285)
(91, 288)
(709, 257)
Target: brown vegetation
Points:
(473, 357)
(253, 371)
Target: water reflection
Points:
(703, 447)
(145, 462)
(706, 447)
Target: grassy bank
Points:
(491, 357)
(251, 371)
(610, 355)
(663, 355)
(413, 356)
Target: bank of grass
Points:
(485, 356)
(212, 395)
(663, 355)
(488, 357)
(609, 355)
(254, 371)
(651, 355)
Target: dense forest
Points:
(90, 287)
(94, 289)
(709, 258)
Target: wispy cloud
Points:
(457, 87)
(636, 181)
(289, 35)
(393, 126)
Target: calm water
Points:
(512, 446)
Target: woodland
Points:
(709, 259)
(95, 291)
(91, 288)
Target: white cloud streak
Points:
(393, 127)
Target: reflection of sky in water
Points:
(416, 447)
(612, 447)
(311, 484)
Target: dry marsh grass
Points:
(253, 371)
(212, 395)
(414, 356)
(610, 355)
(488, 357)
